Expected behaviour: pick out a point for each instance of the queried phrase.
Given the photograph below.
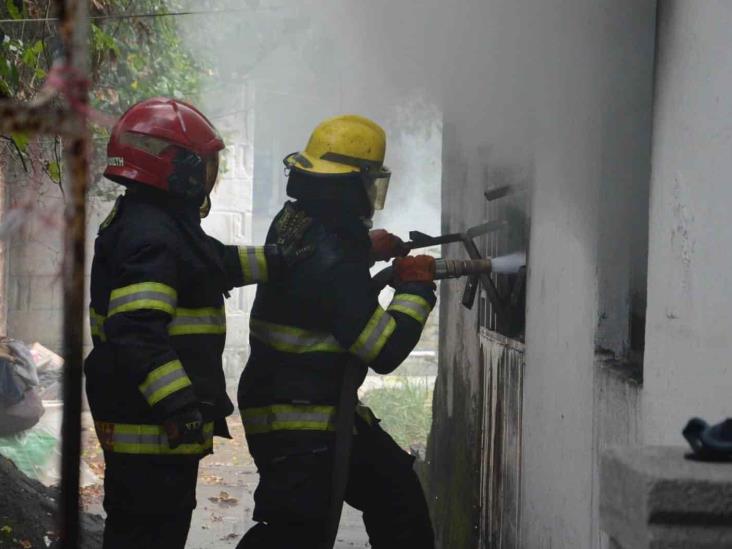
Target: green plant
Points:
(133, 55)
(405, 410)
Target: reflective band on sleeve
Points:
(164, 381)
(289, 339)
(412, 305)
(145, 295)
(253, 264)
(122, 438)
(374, 336)
(207, 320)
(288, 417)
(96, 324)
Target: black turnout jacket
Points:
(158, 322)
(304, 326)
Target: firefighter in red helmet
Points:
(154, 377)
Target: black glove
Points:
(188, 177)
(291, 226)
(184, 427)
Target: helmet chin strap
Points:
(205, 207)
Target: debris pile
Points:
(27, 510)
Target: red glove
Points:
(385, 245)
(418, 268)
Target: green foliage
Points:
(405, 410)
(137, 58)
(13, 10)
(21, 141)
(54, 171)
(131, 58)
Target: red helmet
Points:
(147, 137)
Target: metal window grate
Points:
(508, 203)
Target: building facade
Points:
(618, 115)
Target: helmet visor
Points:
(376, 188)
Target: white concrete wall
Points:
(591, 162)
(562, 89)
(34, 256)
(688, 370)
(230, 219)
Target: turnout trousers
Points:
(148, 501)
(293, 496)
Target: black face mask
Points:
(338, 195)
(188, 178)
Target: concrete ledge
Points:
(651, 497)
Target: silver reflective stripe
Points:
(286, 417)
(417, 310)
(195, 320)
(145, 295)
(198, 321)
(299, 340)
(253, 264)
(293, 340)
(162, 382)
(95, 320)
(147, 439)
(141, 438)
(376, 340)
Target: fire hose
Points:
(353, 373)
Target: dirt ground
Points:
(28, 513)
(226, 482)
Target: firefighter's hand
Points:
(291, 226)
(385, 246)
(419, 268)
(184, 427)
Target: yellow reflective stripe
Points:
(144, 287)
(374, 336)
(412, 305)
(144, 295)
(201, 312)
(164, 381)
(288, 417)
(253, 264)
(96, 324)
(206, 320)
(125, 438)
(289, 339)
(262, 262)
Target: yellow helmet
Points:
(347, 144)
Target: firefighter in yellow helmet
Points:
(304, 328)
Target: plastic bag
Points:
(30, 451)
(22, 415)
(45, 359)
(12, 388)
(25, 366)
(37, 452)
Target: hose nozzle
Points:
(455, 268)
